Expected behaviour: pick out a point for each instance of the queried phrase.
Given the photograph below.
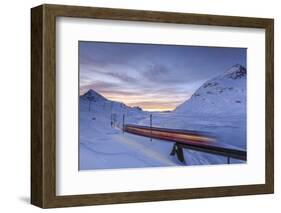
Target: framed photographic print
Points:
(135, 106)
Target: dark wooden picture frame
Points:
(43, 105)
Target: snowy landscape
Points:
(217, 107)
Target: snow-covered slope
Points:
(94, 102)
(97, 113)
(102, 144)
(224, 94)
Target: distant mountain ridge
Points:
(99, 99)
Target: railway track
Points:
(186, 139)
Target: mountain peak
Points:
(235, 72)
(93, 94)
(90, 92)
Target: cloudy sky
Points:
(153, 77)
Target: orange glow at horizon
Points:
(148, 102)
(145, 102)
(156, 109)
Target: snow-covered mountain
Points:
(91, 94)
(100, 103)
(97, 110)
(224, 94)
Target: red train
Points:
(200, 141)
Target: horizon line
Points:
(159, 109)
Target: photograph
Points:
(140, 105)
(155, 105)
